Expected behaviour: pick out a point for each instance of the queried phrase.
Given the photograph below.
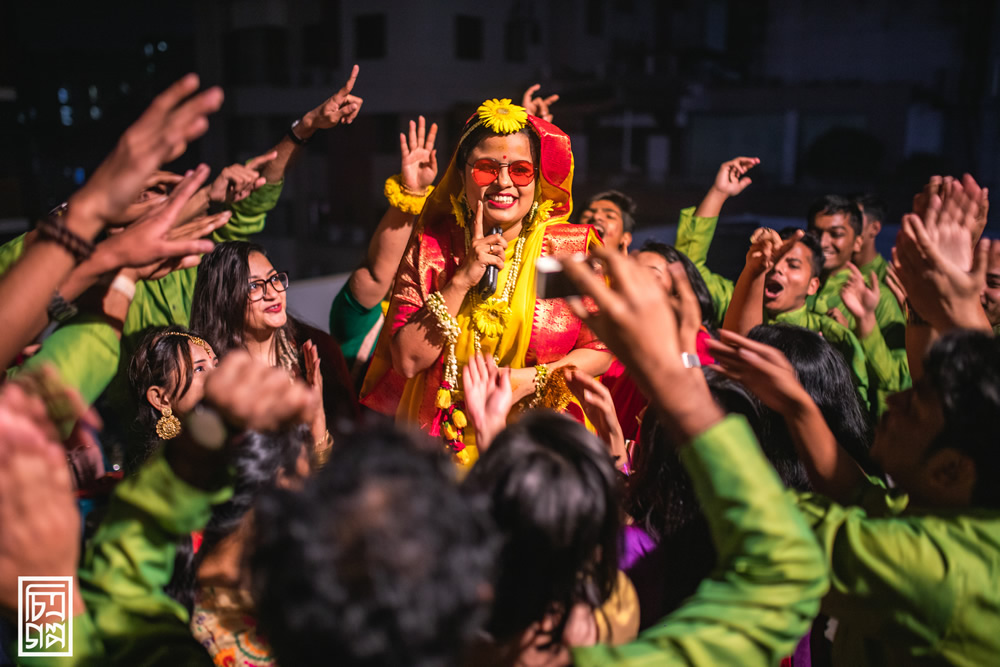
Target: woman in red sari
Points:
(512, 173)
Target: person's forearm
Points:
(370, 282)
(419, 343)
(919, 338)
(831, 469)
(194, 207)
(711, 205)
(29, 284)
(288, 150)
(591, 362)
(746, 309)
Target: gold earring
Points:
(168, 426)
(532, 213)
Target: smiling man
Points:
(611, 213)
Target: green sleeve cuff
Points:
(249, 215)
(176, 506)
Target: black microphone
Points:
(488, 283)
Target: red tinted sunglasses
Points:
(486, 170)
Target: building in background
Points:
(833, 97)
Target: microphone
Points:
(488, 283)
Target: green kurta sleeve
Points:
(694, 238)
(10, 252)
(889, 368)
(769, 578)
(249, 214)
(909, 589)
(85, 351)
(353, 326)
(845, 342)
(130, 560)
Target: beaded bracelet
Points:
(541, 379)
(447, 324)
(403, 198)
(51, 228)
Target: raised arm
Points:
(746, 310)
(342, 108)
(770, 574)
(371, 281)
(160, 135)
(766, 372)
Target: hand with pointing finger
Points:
(342, 108)
(538, 106)
(484, 251)
(237, 181)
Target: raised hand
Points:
(767, 248)
(160, 135)
(967, 203)
(484, 251)
(237, 181)
(419, 158)
(860, 299)
(314, 378)
(597, 404)
(538, 106)
(41, 523)
(488, 397)
(731, 179)
(895, 284)
(152, 238)
(936, 265)
(633, 317)
(197, 228)
(342, 108)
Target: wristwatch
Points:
(294, 137)
(690, 360)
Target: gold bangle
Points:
(403, 198)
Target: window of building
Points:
(515, 42)
(370, 36)
(468, 37)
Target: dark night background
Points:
(833, 97)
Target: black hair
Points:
(872, 206)
(624, 203)
(810, 241)
(963, 368)
(221, 293)
(660, 496)
(555, 497)
(256, 464)
(832, 205)
(672, 255)
(823, 373)
(379, 560)
(162, 358)
(661, 499)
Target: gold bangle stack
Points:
(405, 199)
(541, 379)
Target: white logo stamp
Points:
(45, 616)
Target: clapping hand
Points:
(861, 300)
(488, 397)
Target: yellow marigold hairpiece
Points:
(501, 116)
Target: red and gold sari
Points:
(537, 331)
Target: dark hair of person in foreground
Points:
(555, 497)
(379, 560)
(825, 376)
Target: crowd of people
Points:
(523, 441)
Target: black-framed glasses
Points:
(258, 288)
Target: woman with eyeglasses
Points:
(467, 282)
(240, 302)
